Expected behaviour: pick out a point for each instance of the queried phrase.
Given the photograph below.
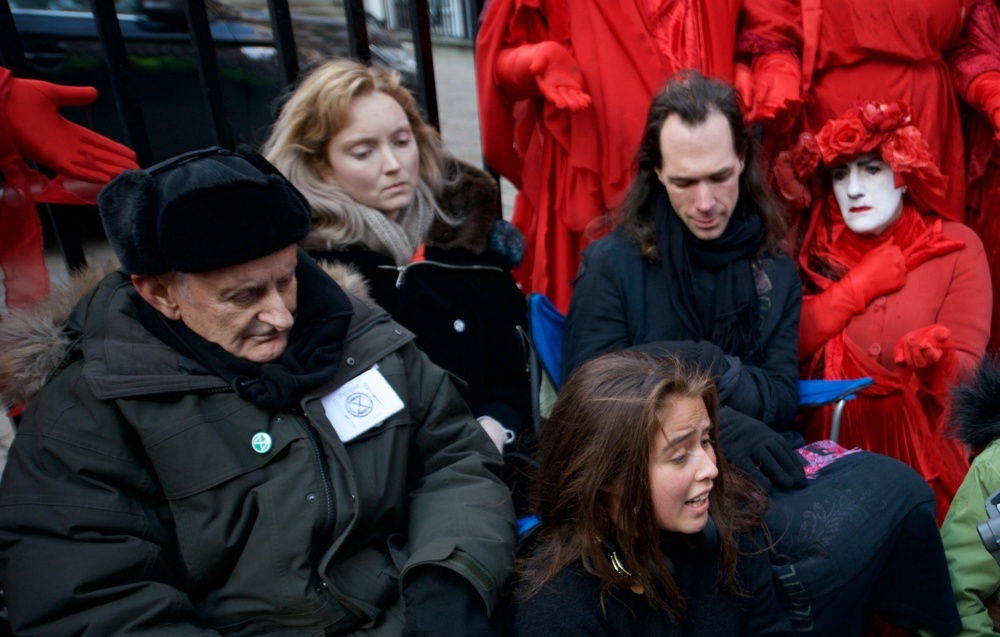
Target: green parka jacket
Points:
(135, 503)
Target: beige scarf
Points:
(399, 238)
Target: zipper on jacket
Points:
(448, 266)
(324, 472)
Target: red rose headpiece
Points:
(869, 127)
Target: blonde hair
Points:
(316, 111)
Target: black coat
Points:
(464, 309)
(570, 604)
(619, 302)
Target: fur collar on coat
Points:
(975, 407)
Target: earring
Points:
(635, 509)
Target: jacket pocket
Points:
(245, 493)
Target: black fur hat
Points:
(200, 211)
(975, 406)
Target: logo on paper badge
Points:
(359, 405)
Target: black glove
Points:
(704, 355)
(440, 602)
(760, 451)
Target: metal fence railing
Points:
(447, 18)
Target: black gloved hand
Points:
(704, 355)
(760, 451)
(440, 602)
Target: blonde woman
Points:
(422, 228)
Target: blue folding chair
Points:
(816, 393)
(545, 343)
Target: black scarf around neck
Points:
(315, 343)
(734, 329)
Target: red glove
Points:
(880, 272)
(929, 352)
(546, 68)
(775, 94)
(984, 94)
(824, 315)
(743, 83)
(923, 348)
(43, 135)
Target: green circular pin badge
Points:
(261, 442)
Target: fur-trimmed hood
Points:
(975, 407)
(34, 342)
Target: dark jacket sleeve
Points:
(766, 616)
(104, 509)
(597, 321)
(506, 395)
(768, 390)
(461, 513)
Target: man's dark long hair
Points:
(693, 97)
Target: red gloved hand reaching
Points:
(984, 95)
(929, 352)
(546, 68)
(923, 347)
(770, 89)
(43, 135)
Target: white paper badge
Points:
(361, 404)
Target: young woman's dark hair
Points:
(599, 438)
(693, 97)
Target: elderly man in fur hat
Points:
(230, 443)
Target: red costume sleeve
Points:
(967, 308)
(770, 26)
(22, 259)
(826, 314)
(495, 120)
(978, 48)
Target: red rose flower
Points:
(805, 156)
(906, 149)
(788, 182)
(879, 117)
(841, 137)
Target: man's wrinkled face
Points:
(701, 172)
(247, 309)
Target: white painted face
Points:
(867, 195)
